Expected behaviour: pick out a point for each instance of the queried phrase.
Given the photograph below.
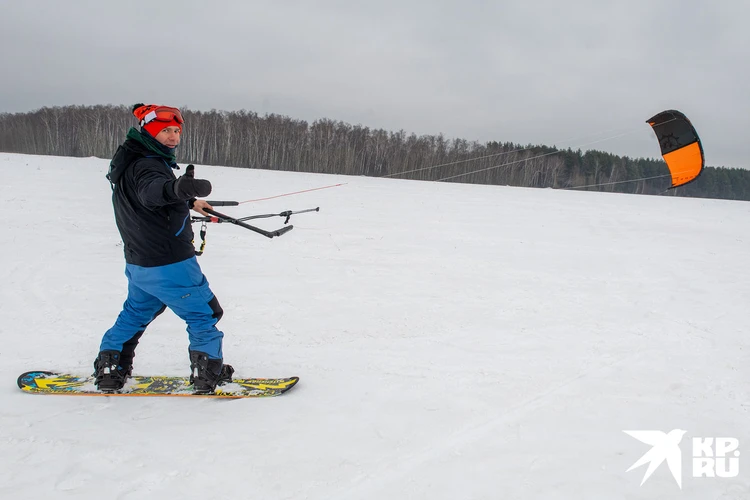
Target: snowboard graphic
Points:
(44, 382)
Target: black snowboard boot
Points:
(207, 373)
(109, 374)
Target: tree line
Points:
(275, 142)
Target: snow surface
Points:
(453, 342)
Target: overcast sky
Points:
(552, 72)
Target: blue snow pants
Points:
(184, 289)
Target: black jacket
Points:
(153, 222)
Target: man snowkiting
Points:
(152, 213)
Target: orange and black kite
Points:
(680, 146)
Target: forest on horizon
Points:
(246, 139)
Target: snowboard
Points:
(66, 384)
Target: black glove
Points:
(187, 186)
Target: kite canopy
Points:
(680, 146)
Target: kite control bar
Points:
(223, 203)
(225, 218)
(218, 217)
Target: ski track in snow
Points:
(395, 468)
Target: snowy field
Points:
(453, 342)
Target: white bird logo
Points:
(664, 447)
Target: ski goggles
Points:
(163, 114)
